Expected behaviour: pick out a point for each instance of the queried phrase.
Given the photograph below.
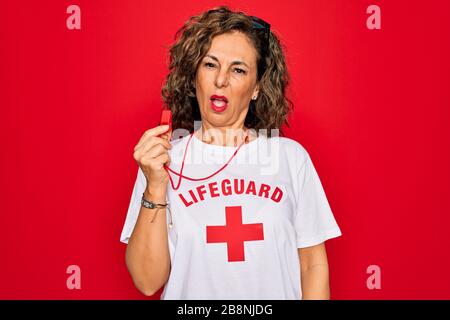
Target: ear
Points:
(256, 91)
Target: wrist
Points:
(158, 195)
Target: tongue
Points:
(219, 103)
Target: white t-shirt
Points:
(236, 234)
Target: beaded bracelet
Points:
(151, 205)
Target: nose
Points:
(221, 79)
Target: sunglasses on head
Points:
(259, 24)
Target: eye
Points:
(240, 71)
(209, 64)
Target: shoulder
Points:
(292, 148)
(290, 152)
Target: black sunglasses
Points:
(258, 24)
(262, 25)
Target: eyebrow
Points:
(236, 62)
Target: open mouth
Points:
(219, 103)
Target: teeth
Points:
(219, 103)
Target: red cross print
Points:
(234, 233)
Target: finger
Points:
(149, 145)
(167, 135)
(151, 149)
(162, 159)
(155, 163)
(153, 132)
(155, 151)
(153, 140)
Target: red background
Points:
(371, 107)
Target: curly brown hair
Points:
(193, 40)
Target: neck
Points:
(223, 136)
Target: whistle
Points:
(166, 119)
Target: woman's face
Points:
(228, 71)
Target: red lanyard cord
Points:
(197, 179)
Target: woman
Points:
(235, 228)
